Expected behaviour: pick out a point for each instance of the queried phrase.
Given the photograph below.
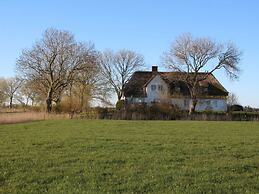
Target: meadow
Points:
(101, 156)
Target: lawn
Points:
(80, 156)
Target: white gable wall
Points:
(157, 95)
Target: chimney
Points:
(154, 69)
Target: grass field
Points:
(74, 156)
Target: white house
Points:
(168, 87)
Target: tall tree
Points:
(118, 67)
(195, 55)
(88, 86)
(54, 62)
(94, 82)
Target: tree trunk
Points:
(11, 102)
(49, 101)
(193, 95)
(49, 105)
(193, 106)
(27, 101)
(119, 96)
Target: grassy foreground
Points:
(73, 156)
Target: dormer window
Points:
(153, 87)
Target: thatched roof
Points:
(136, 85)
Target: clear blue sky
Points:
(146, 26)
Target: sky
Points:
(145, 26)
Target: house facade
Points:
(169, 87)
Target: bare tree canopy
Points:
(9, 88)
(54, 61)
(118, 67)
(30, 93)
(232, 99)
(88, 86)
(97, 85)
(3, 89)
(195, 55)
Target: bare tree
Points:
(86, 87)
(3, 89)
(54, 61)
(29, 93)
(10, 87)
(195, 55)
(118, 67)
(94, 81)
(232, 99)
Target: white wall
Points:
(212, 104)
(157, 95)
(202, 105)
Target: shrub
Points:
(101, 112)
(120, 104)
(154, 112)
(235, 107)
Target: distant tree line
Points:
(58, 71)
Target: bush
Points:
(154, 112)
(245, 116)
(209, 112)
(101, 112)
(235, 107)
(120, 104)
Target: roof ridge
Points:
(172, 72)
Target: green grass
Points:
(129, 157)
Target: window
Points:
(153, 87)
(160, 87)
